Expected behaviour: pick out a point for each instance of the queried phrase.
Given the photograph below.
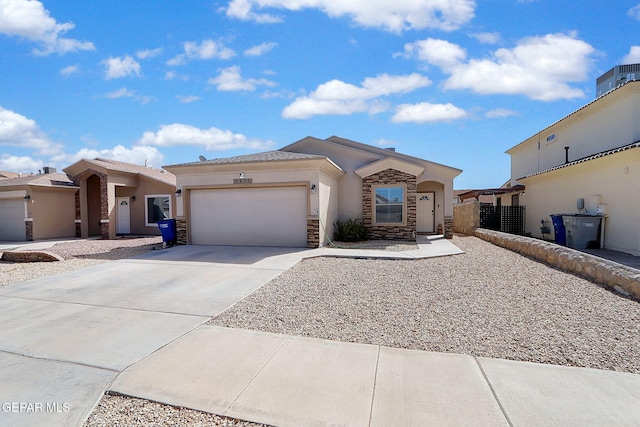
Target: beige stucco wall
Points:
(609, 122)
(616, 178)
(53, 212)
(328, 202)
(140, 188)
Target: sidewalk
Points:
(293, 381)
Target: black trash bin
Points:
(168, 230)
(560, 232)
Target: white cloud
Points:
(30, 20)
(338, 97)
(487, 38)
(207, 49)
(188, 99)
(123, 92)
(500, 113)
(633, 57)
(138, 155)
(260, 49)
(230, 79)
(634, 12)
(22, 164)
(426, 112)
(148, 53)
(19, 131)
(394, 16)
(540, 68)
(212, 139)
(118, 67)
(437, 52)
(70, 70)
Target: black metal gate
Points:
(509, 219)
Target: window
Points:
(157, 208)
(389, 205)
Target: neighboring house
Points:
(5, 175)
(37, 207)
(293, 196)
(503, 196)
(120, 198)
(592, 154)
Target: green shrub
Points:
(351, 230)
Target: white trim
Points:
(28, 220)
(78, 221)
(146, 208)
(104, 221)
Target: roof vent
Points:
(390, 149)
(202, 158)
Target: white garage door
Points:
(12, 220)
(275, 216)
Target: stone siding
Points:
(448, 227)
(390, 232)
(466, 217)
(104, 199)
(28, 228)
(181, 231)
(622, 278)
(313, 232)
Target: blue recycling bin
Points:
(560, 232)
(168, 231)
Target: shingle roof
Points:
(267, 156)
(114, 165)
(4, 175)
(44, 180)
(586, 159)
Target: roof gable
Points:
(106, 165)
(389, 163)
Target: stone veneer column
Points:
(28, 229)
(104, 201)
(313, 232)
(181, 231)
(390, 232)
(448, 227)
(78, 216)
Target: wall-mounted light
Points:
(27, 198)
(313, 189)
(241, 174)
(179, 192)
(133, 198)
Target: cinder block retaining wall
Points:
(609, 273)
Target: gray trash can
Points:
(583, 231)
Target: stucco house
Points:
(120, 198)
(592, 154)
(37, 207)
(293, 196)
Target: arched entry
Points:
(429, 207)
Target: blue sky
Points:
(457, 82)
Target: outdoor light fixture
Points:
(313, 189)
(27, 197)
(133, 198)
(241, 174)
(179, 192)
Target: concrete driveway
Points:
(64, 338)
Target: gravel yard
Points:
(77, 254)
(488, 302)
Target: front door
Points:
(123, 224)
(425, 212)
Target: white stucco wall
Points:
(616, 178)
(328, 201)
(609, 122)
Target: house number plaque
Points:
(243, 180)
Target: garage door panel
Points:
(274, 216)
(12, 220)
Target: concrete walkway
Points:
(136, 326)
(295, 381)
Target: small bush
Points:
(351, 230)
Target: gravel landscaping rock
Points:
(77, 255)
(487, 302)
(133, 412)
